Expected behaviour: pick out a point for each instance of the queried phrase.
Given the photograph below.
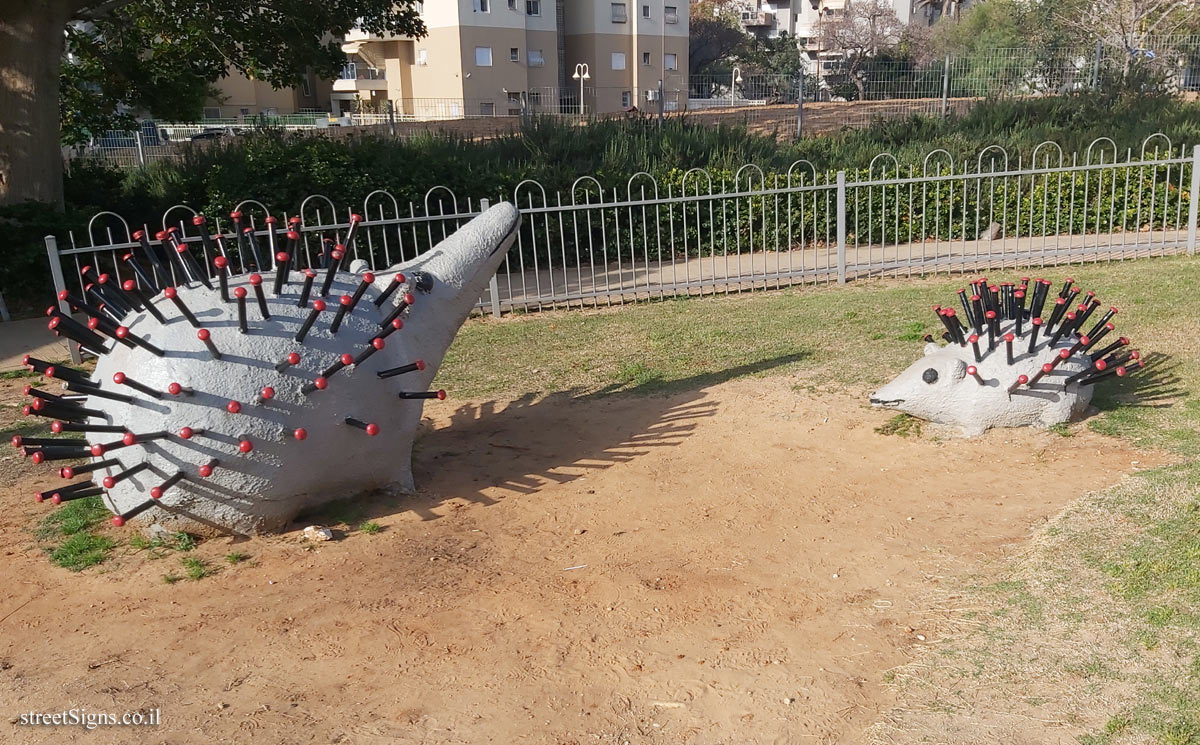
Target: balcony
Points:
(355, 77)
(757, 18)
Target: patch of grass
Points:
(901, 425)
(18, 374)
(184, 541)
(73, 517)
(370, 527)
(1062, 429)
(171, 579)
(236, 557)
(82, 550)
(195, 568)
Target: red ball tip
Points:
(221, 262)
(57, 499)
(267, 393)
(399, 277)
(129, 438)
(441, 395)
(1037, 321)
(174, 389)
(1083, 339)
(1022, 379)
(420, 364)
(198, 220)
(1124, 340)
(971, 370)
(247, 230)
(245, 446)
(1109, 326)
(397, 324)
(137, 234)
(990, 314)
(347, 359)
(337, 255)
(205, 471)
(156, 493)
(950, 312)
(271, 219)
(1060, 301)
(318, 305)
(26, 410)
(1018, 294)
(38, 457)
(256, 279)
(1069, 281)
(293, 358)
(25, 360)
(311, 273)
(1120, 372)
(160, 235)
(56, 427)
(97, 450)
(372, 429)
(27, 389)
(17, 440)
(170, 292)
(345, 300)
(1113, 310)
(109, 482)
(321, 383)
(355, 218)
(172, 229)
(1064, 353)
(186, 433)
(128, 285)
(119, 378)
(38, 404)
(282, 256)
(293, 235)
(235, 214)
(203, 334)
(93, 323)
(67, 473)
(233, 407)
(408, 298)
(1047, 367)
(38, 497)
(239, 292)
(1135, 355)
(368, 277)
(1101, 365)
(378, 343)
(1009, 337)
(300, 434)
(61, 296)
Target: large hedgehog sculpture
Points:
(235, 401)
(1006, 366)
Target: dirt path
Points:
(738, 564)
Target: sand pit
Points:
(740, 563)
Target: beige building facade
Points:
(241, 97)
(503, 57)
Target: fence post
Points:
(137, 137)
(60, 284)
(800, 107)
(841, 227)
(1194, 203)
(493, 283)
(392, 117)
(1096, 64)
(946, 87)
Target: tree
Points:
(715, 34)
(1138, 31)
(97, 58)
(862, 30)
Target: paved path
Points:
(29, 336)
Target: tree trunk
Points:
(31, 49)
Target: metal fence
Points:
(707, 233)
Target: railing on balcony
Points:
(353, 71)
(757, 18)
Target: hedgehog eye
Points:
(930, 376)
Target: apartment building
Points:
(628, 47)
(240, 96)
(501, 57)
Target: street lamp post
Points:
(736, 78)
(581, 74)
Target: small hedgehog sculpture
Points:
(234, 402)
(1007, 366)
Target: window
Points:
(420, 7)
(618, 13)
(483, 56)
(645, 58)
(213, 112)
(533, 7)
(514, 54)
(670, 62)
(626, 99)
(422, 57)
(512, 4)
(618, 60)
(305, 86)
(536, 59)
(487, 108)
(670, 14)
(535, 98)
(645, 11)
(484, 6)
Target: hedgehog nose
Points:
(885, 401)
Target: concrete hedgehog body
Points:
(1007, 366)
(236, 407)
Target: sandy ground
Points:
(735, 564)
